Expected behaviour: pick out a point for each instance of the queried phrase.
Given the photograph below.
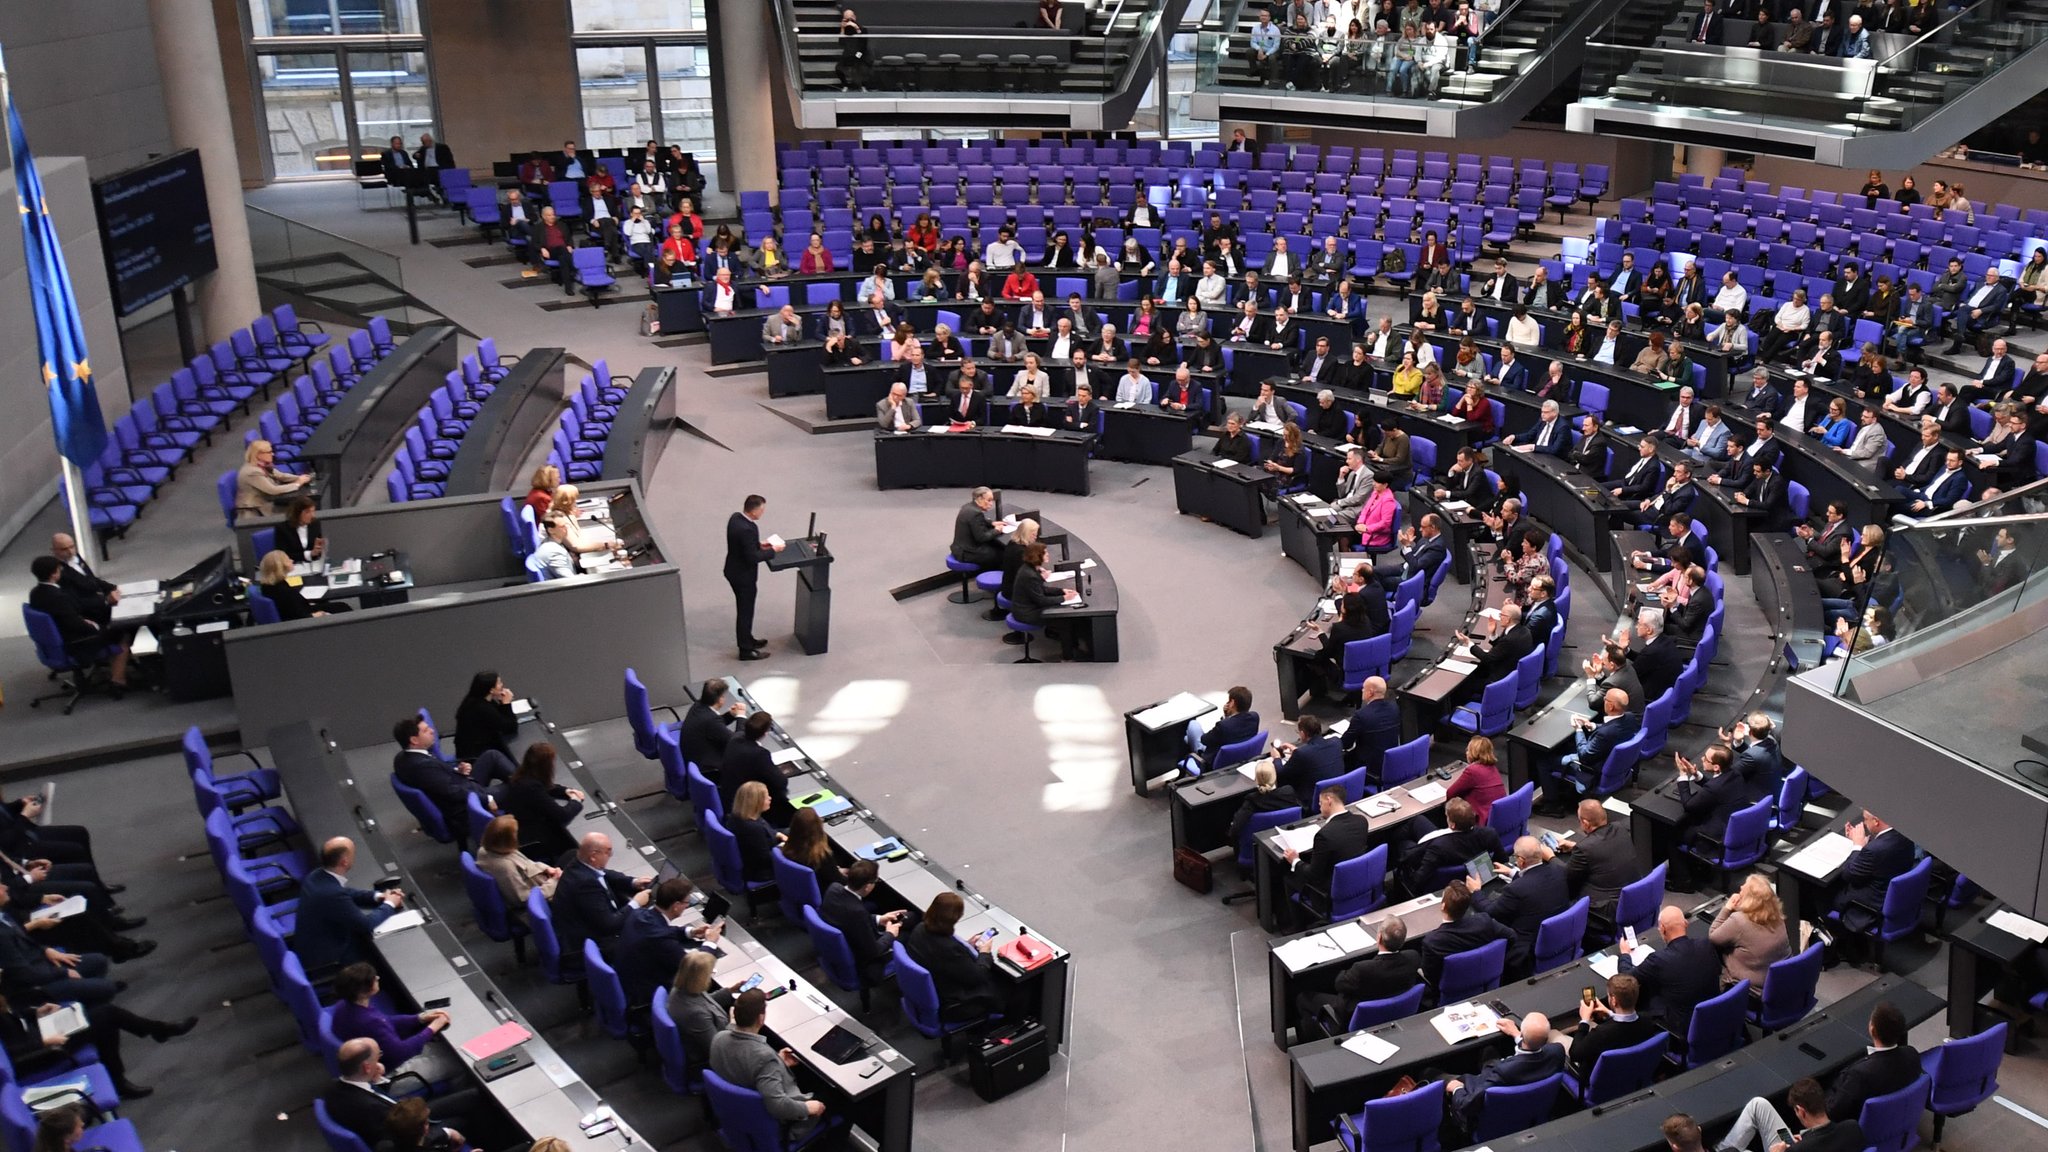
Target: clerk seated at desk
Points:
(300, 536)
(1237, 723)
(959, 969)
(974, 534)
(1422, 849)
(1344, 834)
(553, 556)
(1390, 971)
(1582, 765)
(84, 638)
(1031, 593)
(96, 597)
(275, 577)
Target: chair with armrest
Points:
(640, 715)
(1963, 1074)
(725, 863)
(1741, 844)
(1373, 1013)
(746, 1126)
(1248, 847)
(676, 1071)
(1559, 939)
(920, 1002)
(1509, 815)
(1471, 972)
(1620, 1071)
(1891, 1122)
(1717, 1026)
(1507, 1109)
(1396, 1124)
(489, 905)
(835, 955)
(1900, 915)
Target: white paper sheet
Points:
(2008, 921)
(1822, 855)
(1371, 1047)
(1305, 951)
(1178, 709)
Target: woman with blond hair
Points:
(698, 1006)
(757, 839)
(274, 574)
(499, 858)
(1267, 795)
(578, 541)
(1750, 932)
(258, 483)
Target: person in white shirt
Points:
(1063, 340)
(1383, 344)
(897, 413)
(1002, 255)
(1433, 56)
(1911, 398)
(553, 555)
(1802, 410)
(1212, 289)
(1610, 344)
(917, 378)
(1425, 352)
(639, 233)
(1281, 264)
(1732, 297)
(1523, 329)
(1788, 326)
(723, 296)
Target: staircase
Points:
(330, 279)
(1098, 91)
(1531, 49)
(1910, 104)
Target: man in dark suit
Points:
(1391, 970)
(1344, 834)
(96, 597)
(1707, 26)
(974, 535)
(1317, 362)
(746, 759)
(430, 155)
(1238, 723)
(1891, 1065)
(1512, 375)
(1550, 434)
(869, 936)
(1657, 659)
(1710, 794)
(1643, 477)
(1678, 976)
(1374, 728)
(1740, 471)
(1541, 615)
(448, 785)
(707, 728)
(84, 638)
(966, 399)
(1464, 928)
(1422, 549)
(34, 970)
(1430, 849)
(399, 169)
(1673, 500)
(359, 1101)
(1609, 1026)
(1600, 861)
(334, 921)
(1758, 762)
(880, 317)
(1537, 892)
(1588, 755)
(591, 902)
(1498, 655)
(1980, 309)
(1882, 855)
(1687, 622)
(1768, 494)
(1314, 757)
(744, 553)
(1948, 485)
(1536, 1057)
(651, 946)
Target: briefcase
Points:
(1008, 1057)
(1192, 869)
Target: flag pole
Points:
(72, 487)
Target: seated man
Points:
(1423, 548)
(1238, 723)
(974, 534)
(1588, 755)
(1711, 794)
(1374, 728)
(448, 785)
(1599, 861)
(1344, 835)
(653, 941)
(1463, 929)
(84, 638)
(360, 1100)
(1890, 1065)
(1535, 1057)
(1438, 850)
(1882, 855)
(868, 935)
(1537, 892)
(591, 901)
(1761, 1127)
(741, 1055)
(334, 920)
(1683, 972)
(1387, 973)
(1609, 1026)
(1314, 757)
(1550, 434)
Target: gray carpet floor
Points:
(1012, 775)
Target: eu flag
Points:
(74, 405)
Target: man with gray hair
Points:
(1391, 970)
(1656, 657)
(974, 535)
(1536, 892)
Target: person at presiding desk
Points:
(557, 561)
(1681, 973)
(1750, 929)
(334, 920)
(1013, 557)
(545, 810)
(301, 539)
(1589, 752)
(1344, 834)
(975, 540)
(258, 483)
(274, 575)
(707, 728)
(499, 857)
(1030, 593)
(447, 785)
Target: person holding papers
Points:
(744, 553)
(1343, 835)
(1464, 928)
(1678, 976)
(31, 1052)
(1267, 795)
(1032, 594)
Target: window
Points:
(620, 45)
(617, 112)
(637, 15)
(269, 18)
(390, 97)
(325, 110)
(685, 71)
(302, 110)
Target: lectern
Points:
(813, 565)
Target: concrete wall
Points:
(85, 77)
(505, 74)
(28, 454)
(1984, 183)
(230, 21)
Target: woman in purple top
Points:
(400, 1037)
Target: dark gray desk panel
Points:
(361, 431)
(640, 431)
(524, 406)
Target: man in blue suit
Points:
(1239, 723)
(1422, 549)
(1983, 307)
(591, 902)
(1540, 617)
(1513, 375)
(1589, 753)
(651, 947)
(1550, 434)
(1536, 1056)
(1314, 757)
(334, 920)
(1757, 760)
(1710, 794)
(1374, 728)
(1537, 892)
(1883, 854)
(1947, 486)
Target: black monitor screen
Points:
(155, 229)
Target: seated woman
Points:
(541, 495)
(1834, 429)
(1652, 360)
(545, 810)
(808, 846)
(499, 858)
(960, 969)
(1290, 464)
(1191, 323)
(1267, 795)
(1750, 932)
(1407, 384)
(580, 540)
(1468, 363)
(757, 840)
(484, 720)
(1232, 441)
(1480, 783)
(1353, 623)
(1431, 396)
(275, 577)
(402, 1037)
(299, 537)
(901, 342)
(1477, 407)
(699, 1006)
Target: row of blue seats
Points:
(1732, 192)
(420, 469)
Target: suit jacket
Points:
(1472, 930)
(1708, 28)
(1312, 762)
(1874, 1075)
(973, 534)
(1759, 766)
(1871, 870)
(334, 920)
(1231, 729)
(972, 407)
(1500, 656)
(447, 787)
(361, 1109)
(1643, 478)
(1380, 976)
(72, 622)
(744, 551)
(89, 590)
(747, 760)
(1557, 443)
(1374, 728)
(1523, 1067)
(1942, 491)
(589, 905)
(1710, 802)
(960, 973)
(1658, 665)
(1688, 621)
(870, 945)
(1593, 747)
(648, 954)
(1420, 864)
(700, 1019)
(1835, 1136)
(1770, 495)
(1540, 619)
(1611, 1035)
(23, 966)
(1600, 865)
(1343, 836)
(1676, 978)
(1031, 596)
(885, 416)
(1523, 904)
(444, 156)
(874, 327)
(704, 736)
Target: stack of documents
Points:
(1299, 839)
(1222, 462)
(1427, 794)
(1820, 857)
(399, 922)
(1352, 936)
(1461, 667)
(2012, 923)
(1307, 951)
(1179, 709)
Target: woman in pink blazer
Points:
(1376, 519)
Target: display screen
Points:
(155, 229)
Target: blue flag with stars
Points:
(74, 405)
